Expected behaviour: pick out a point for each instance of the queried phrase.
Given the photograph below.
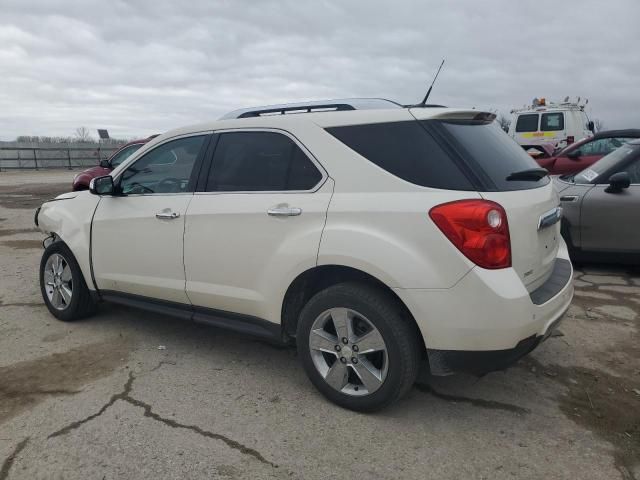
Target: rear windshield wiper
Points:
(529, 174)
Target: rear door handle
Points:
(167, 215)
(569, 198)
(284, 211)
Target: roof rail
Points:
(314, 106)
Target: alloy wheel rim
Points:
(348, 351)
(58, 281)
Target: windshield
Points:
(606, 163)
(496, 155)
(123, 154)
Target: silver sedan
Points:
(601, 207)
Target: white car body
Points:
(224, 256)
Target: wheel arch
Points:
(316, 279)
(69, 218)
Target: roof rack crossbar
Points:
(297, 109)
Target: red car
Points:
(578, 156)
(81, 181)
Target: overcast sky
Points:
(142, 67)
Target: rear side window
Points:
(551, 122)
(491, 153)
(406, 150)
(260, 161)
(527, 123)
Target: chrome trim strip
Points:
(549, 218)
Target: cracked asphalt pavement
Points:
(99, 399)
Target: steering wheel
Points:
(169, 185)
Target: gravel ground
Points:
(128, 394)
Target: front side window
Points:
(603, 146)
(123, 154)
(165, 169)
(527, 123)
(552, 122)
(608, 163)
(260, 161)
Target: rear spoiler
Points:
(466, 115)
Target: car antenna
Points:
(426, 97)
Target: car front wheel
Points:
(62, 285)
(357, 346)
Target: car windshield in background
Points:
(527, 123)
(494, 152)
(606, 163)
(123, 154)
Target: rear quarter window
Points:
(405, 150)
(527, 123)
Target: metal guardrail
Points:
(53, 157)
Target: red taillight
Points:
(570, 139)
(478, 228)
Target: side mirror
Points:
(102, 185)
(574, 154)
(618, 182)
(591, 126)
(105, 164)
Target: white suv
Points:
(375, 236)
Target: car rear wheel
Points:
(62, 285)
(357, 346)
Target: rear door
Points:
(526, 128)
(255, 222)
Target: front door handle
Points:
(167, 215)
(569, 198)
(284, 211)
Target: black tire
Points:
(81, 304)
(400, 335)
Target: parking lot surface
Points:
(129, 394)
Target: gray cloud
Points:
(147, 66)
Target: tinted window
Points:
(406, 150)
(551, 122)
(260, 161)
(165, 169)
(603, 146)
(527, 123)
(123, 154)
(492, 153)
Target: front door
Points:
(256, 224)
(137, 236)
(610, 221)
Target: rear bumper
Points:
(446, 362)
(488, 320)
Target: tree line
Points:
(82, 135)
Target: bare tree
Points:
(598, 124)
(83, 135)
(504, 122)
